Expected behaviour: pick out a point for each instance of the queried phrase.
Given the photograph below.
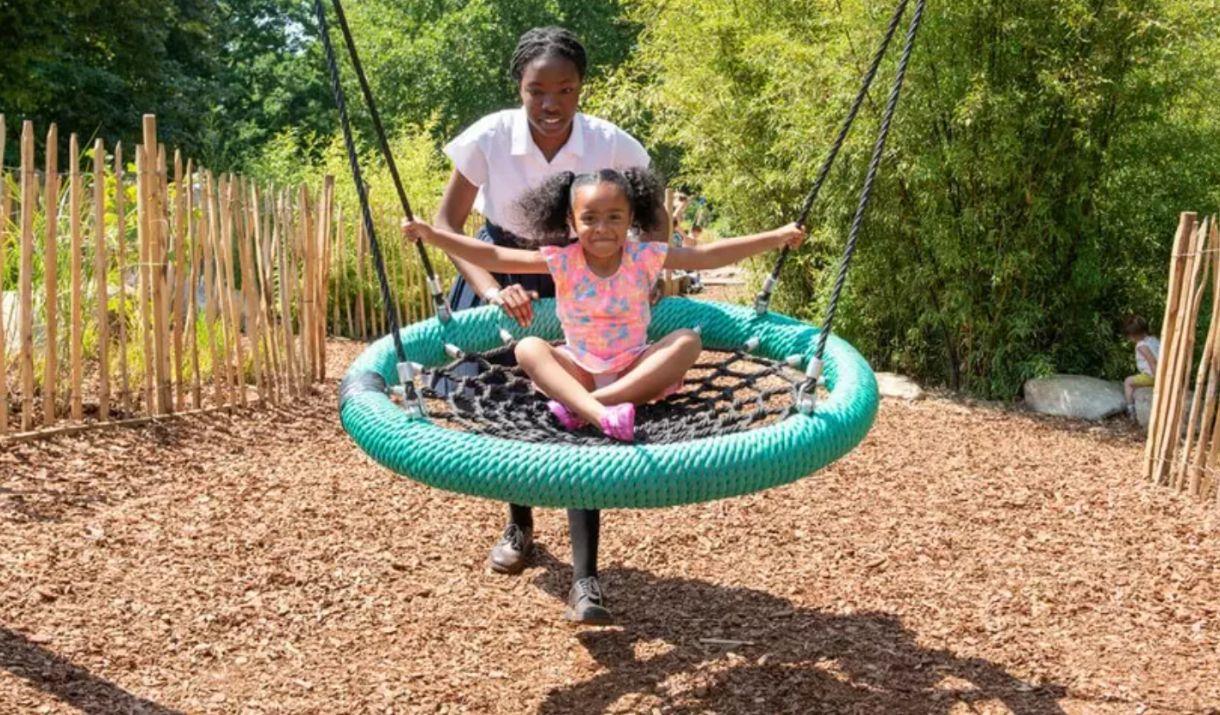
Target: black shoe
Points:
(512, 551)
(585, 604)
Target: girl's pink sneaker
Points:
(569, 419)
(619, 422)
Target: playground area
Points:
(610, 356)
(965, 558)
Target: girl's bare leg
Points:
(560, 378)
(663, 364)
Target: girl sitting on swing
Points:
(602, 280)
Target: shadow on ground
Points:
(797, 660)
(68, 682)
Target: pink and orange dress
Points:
(605, 320)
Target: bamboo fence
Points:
(215, 292)
(1183, 446)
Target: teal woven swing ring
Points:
(609, 476)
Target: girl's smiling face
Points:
(600, 218)
(550, 93)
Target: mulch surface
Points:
(963, 559)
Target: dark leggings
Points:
(585, 528)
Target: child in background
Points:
(692, 240)
(1147, 352)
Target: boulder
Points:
(1077, 396)
(898, 386)
(1143, 406)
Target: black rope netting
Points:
(725, 392)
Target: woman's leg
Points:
(585, 528)
(522, 516)
(585, 603)
(662, 365)
(511, 552)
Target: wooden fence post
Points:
(50, 271)
(154, 205)
(5, 213)
(76, 346)
(144, 221)
(192, 287)
(249, 284)
(361, 318)
(120, 212)
(180, 285)
(284, 251)
(225, 251)
(29, 199)
(161, 291)
(1205, 383)
(211, 311)
(325, 216)
(101, 287)
(1154, 454)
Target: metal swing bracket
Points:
(762, 301)
(443, 312)
(413, 399)
(806, 393)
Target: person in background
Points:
(1147, 352)
(692, 240)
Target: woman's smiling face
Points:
(550, 94)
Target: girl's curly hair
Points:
(545, 210)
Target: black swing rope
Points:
(805, 394)
(336, 87)
(405, 367)
(763, 300)
(438, 299)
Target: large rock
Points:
(897, 386)
(1078, 396)
(1143, 406)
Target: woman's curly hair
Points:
(545, 210)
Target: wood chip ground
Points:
(965, 559)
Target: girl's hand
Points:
(417, 231)
(791, 235)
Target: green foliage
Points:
(222, 76)
(272, 79)
(94, 66)
(423, 172)
(444, 63)
(1029, 191)
(1027, 201)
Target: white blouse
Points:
(498, 155)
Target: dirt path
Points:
(961, 560)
